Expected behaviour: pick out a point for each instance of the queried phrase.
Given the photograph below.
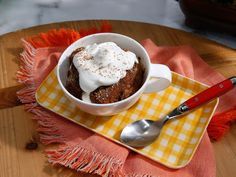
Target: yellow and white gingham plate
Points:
(178, 140)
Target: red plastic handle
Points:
(209, 94)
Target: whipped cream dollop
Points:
(102, 64)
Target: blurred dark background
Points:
(213, 19)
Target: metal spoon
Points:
(143, 132)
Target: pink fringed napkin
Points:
(84, 151)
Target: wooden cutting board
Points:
(16, 127)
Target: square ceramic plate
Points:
(179, 138)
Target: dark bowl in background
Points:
(200, 14)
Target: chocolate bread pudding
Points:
(103, 73)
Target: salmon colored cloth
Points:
(85, 151)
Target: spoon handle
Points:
(209, 94)
(201, 98)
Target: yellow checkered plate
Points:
(178, 140)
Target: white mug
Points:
(157, 77)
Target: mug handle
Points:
(160, 78)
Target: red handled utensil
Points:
(143, 132)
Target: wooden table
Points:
(16, 127)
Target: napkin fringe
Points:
(83, 160)
(47, 129)
(220, 124)
(26, 95)
(68, 155)
(137, 175)
(54, 38)
(25, 73)
(65, 37)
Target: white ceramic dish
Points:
(157, 77)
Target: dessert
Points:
(103, 73)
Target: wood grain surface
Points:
(16, 127)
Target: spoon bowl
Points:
(140, 133)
